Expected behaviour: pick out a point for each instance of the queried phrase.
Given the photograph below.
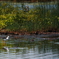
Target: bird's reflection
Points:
(6, 48)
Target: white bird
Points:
(6, 38)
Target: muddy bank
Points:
(5, 32)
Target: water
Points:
(41, 5)
(47, 5)
(45, 49)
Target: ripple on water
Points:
(45, 50)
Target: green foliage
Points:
(13, 19)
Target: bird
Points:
(7, 38)
(4, 40)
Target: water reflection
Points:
(35, 50)
(6, 49)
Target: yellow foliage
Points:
(2, 24)
(2, 16)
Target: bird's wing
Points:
(7, 37)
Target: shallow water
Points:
(46, 49)
(41, 5)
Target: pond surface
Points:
(45, 49)
(41, 5)
(46, 5)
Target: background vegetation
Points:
(36, 19)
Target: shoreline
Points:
(30, 37)
(5, 32)
(33, 34)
